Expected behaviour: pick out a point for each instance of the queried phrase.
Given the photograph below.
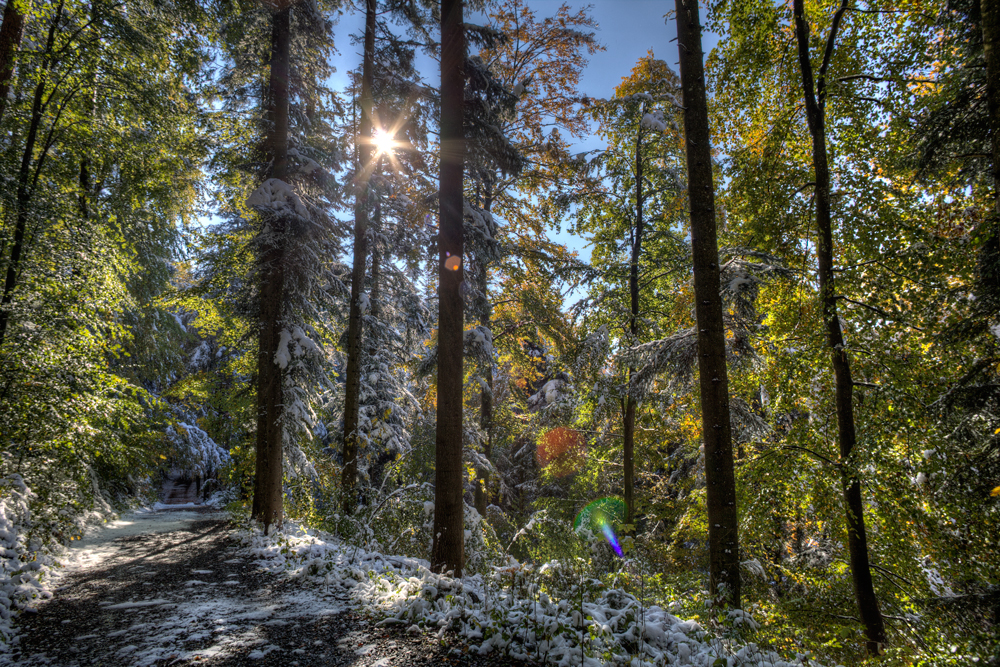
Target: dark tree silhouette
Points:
(448, 551)
(723, 536)
(267, 501)
(364, 167)
(815, 93)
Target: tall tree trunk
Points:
(633, 328)
(448, 551)
(349, 476)
(27, 180)
(85, 183)
(723, 535)
(480, 492)
(267, 500)
(988, 287)
(11, 33)
(376, 295)
(857, 541)
(990, 11)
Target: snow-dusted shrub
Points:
(21, 558)
(196, 453)
(508, 610)
(403, 521)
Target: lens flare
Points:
(561, 451)
(383, 142)
(603, 516)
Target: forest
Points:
(757, 422)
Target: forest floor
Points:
(170, 586)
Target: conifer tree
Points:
(363, 173)
(267, 497)
(448, 550)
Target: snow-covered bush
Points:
(555, 614)
(403, 521)
(197, 455)
(21, 557)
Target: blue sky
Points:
(627, 29)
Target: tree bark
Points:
(857, 541)
(628, 427)
(723, 536)
(349, 476)
(480, 491)
(267, 499)
(448, 551)
(27, 180)
(85, 183)
(11, 33)
(990, 11)
(481, 496)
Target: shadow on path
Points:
(188, 596)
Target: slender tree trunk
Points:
(990, 10)
(988, 288)
(349, 476)
(481, 493)
(633, 328)
(376, 295)
(267, 500)
(85, 182)
(723, 535)
(27, 179)
(857, 541)
(448, 551)
(11, 33)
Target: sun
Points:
(383, 142)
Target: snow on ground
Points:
(171, 585)
(26, 563)
(99, 542)
(510, 610)
(165, 585)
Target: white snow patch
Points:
(276, 195)
(142, 603)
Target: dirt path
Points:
(171, 588)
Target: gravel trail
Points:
(169, 587)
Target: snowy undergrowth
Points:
(29, 549)
(513, 609)
(22, 562)
(33, 556)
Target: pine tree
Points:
(448, 551)
(267, 496)
(363, 173)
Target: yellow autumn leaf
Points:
(163, 457)
(995, 492)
